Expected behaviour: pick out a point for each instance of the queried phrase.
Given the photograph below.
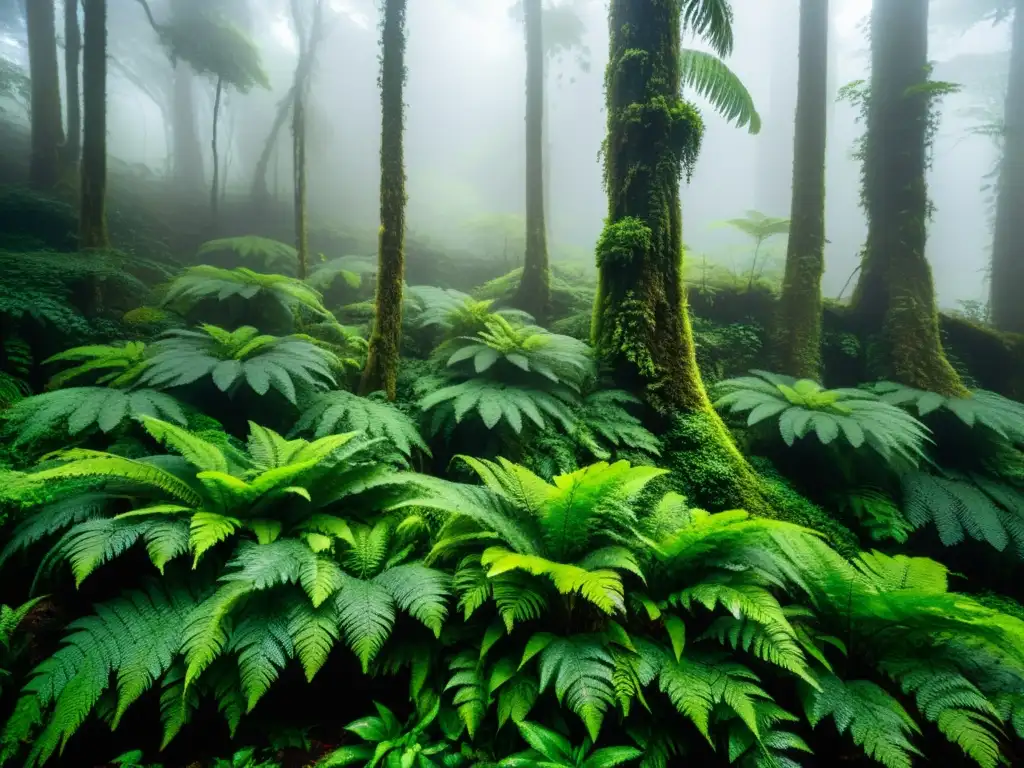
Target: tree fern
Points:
(271, 255)
(230, 357)
(860, 417)
(711, 78)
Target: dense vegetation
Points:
(304, 511)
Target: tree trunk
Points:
(303, 71)
(381, 370)
(92, 209)
(214, 186)
(47, 128)
(1007, 278)
(299, 164)
(534, 294)
(72, 149)
(641, 327)
(187, 153)
(798, 324)
(895, 296)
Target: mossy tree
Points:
(71, 151)
(1005, 306)
(92, 206)
(47, 128)
(641, 326)
(798, 323)
(381, 371)
(534, 293)
(895, 297)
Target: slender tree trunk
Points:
(381, 370)
(798, 324)
(72, 149)
(895, 296)
(300, 88)
(641, 327)
(187, 152)
(214, 186)
(546, 132)
(47, 128)
(1007, 278)
(92, 209)
(534, 294)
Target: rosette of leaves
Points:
(803, 407)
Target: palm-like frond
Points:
(263, 362)
(711, 78)
(342, 411)
(802, 407)
(119, 365)
(982, 408)
(271, 254)
(208, 282)
(80, 408)
(711, 20)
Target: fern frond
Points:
(342, 411)
(711, 78)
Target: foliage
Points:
(272, 255)
(712, 79)
(213, 45)
(857, 416)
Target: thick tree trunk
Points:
(47, 128)
(72, 149)
(381, 370)
(534, 294)
(187, 152)
(92, 209)
(798, 324)
(214, 185)
(895, 296)
(641, 327)
(1007, 278)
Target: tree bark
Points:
(92, 208)
(72, 149)
(641, 327)
(214, 185)
(381, 371)
(47, 128)
(895, 296)
(798, 324)
(534, 293)
(1007, 277)
(301, 91)
(187, 153)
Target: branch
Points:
(149, 15)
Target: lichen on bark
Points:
(895, 296)
(641, 326)
(381, 371)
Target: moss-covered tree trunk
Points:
(641, 326)
(92, 208)
(47, 128)
(1007, 277)
(381, 371)
(895, 296)
(534, 294)
(72, 149)
(798, 324)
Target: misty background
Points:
(465, 147)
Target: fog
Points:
(465, 148)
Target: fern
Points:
(711, 78)
(970, 504)
(208, 282)
(982, 408)
(229, 358)
(272, 255)
(12, 390)
(551, 749)
(341, 411)
(860, 417)
(78, 409)
(119, 365)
